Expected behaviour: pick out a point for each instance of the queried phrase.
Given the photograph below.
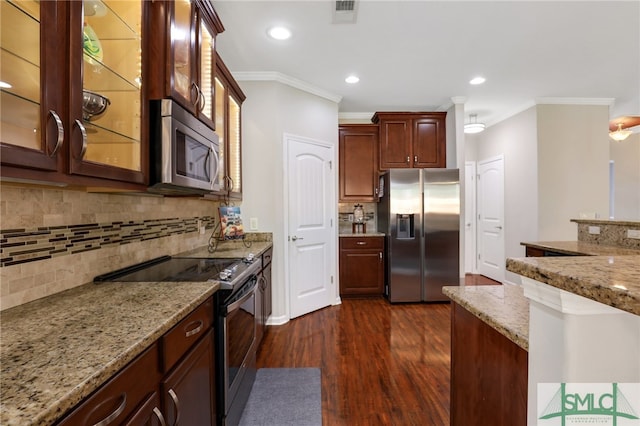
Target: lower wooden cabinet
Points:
(488, 374)
(172, 382)
(361, 266)
(188, 390)
(263, 296)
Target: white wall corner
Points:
(288, 80)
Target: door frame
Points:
(287, 138)
(470, 191)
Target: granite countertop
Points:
(611, 280)
(56, 350)
(368, 234)
(582, 248)
(503, 307)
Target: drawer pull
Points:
(361, 243)
(196, 330)
(176, 403)
(111, 417)
(159, 415)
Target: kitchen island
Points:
(56, 351)
(573, 315)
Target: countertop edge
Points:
(507, 330)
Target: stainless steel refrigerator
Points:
(419, 212)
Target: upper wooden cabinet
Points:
(228, 105)
(63, 60)
(184, 55)
(358, 162)
(411, 139)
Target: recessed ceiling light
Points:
(477, 80)
(279, 33)
(352, 79)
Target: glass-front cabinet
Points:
(32, 87)
(190, 50)
(71, 92)
(229, 98)
(106, 114)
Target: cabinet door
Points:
(188, 391)
(206, 57)
(428, 139)
(358, 163)
(361, 269)
(33, 85)
(395, 144)
(106, 90)
(122, 395)
(182, 46)
(267, 293)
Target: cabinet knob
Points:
(415, 158)
(408, 159)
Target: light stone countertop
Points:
(582, 248)
(57, 350)
(503, 307)
(230, 249)
(368, 234)
(611, 280)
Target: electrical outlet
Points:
(350, 217)
(633, 233)
(253, 223)
(595, 230)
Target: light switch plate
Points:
(253, 223)
(595, 230)
(633, 233)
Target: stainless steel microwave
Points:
(184, 151)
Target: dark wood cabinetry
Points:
(263, 296)
(358, 162)
(174, 378)
(361, 266)
(411, 139)
(187, 51)
(229, 98)
(47, 134)
(488, 374)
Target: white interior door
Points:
(470, 217)
(490, 244)
(311, 236)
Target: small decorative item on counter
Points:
(358, 213)
(231, 223)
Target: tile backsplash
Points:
(345, 211)
(55, 239)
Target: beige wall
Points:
(516, 139)
(30, 208)
(271, 110)
(573, 167)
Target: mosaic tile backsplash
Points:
(55, 239)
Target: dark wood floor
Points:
(381, 364)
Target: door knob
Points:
(294, 238)
(498, 227)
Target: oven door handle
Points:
(235, 305)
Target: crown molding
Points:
(288, 80)
(355, 115)
(459, 99)
(575, 101)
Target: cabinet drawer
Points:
(184, 334)
(116, 400)
(369, 243)
(266, 257)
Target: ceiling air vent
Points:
(345, 12)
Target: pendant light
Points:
(474, 126)
(619, 134)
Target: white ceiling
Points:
(417, 55)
